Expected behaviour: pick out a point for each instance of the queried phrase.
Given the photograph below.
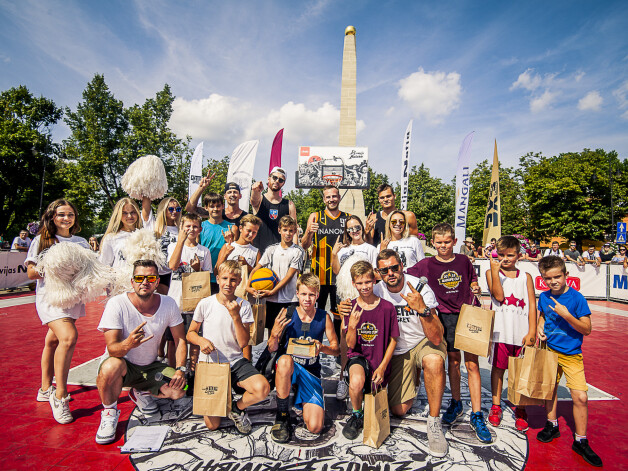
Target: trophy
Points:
(303, 347)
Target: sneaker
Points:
(280, 432)
(548, 433)
(342, 390)
(44, 396)
(481, 430)
(495, 416)
(353, 427)
(242, 421)
(108, 424)
(61, 409)
(583, 449)
(144, 401)
(437, 445)
(453, 412)
(521, 420)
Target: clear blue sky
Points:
(537, 76)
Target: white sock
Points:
(579, 438)
(554, 422)
(111, 406)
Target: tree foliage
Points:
(429, 198)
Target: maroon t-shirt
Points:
(373, 334)
(450, 281)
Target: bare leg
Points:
(453, 369)
(357, 377)
(283, 376)
(314, 417)
(257, 389)
(580, 411)
(212, 422)
(475, 381)
(497, 384)
(109, 380)
(434, 375)
(65, 330)
(47, 359)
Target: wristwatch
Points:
(427, 312)
(183, 369)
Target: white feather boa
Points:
(73, 275)
(146, 177)
(344, 285)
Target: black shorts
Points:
(273, 310)
(449, 321)
(360, 360)
(241, 370)
(328, 291)
(165, 279)
(187, 321)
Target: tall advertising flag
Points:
(493, 218)
(405, 164)
(462, 189)
(196, 170)
(275, 152)
(240, 171)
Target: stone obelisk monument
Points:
(352, 200)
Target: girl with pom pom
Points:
(398, 238)
(58, 224)
(124, 220)
(166, 228)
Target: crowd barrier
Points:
(12, 270)
(607, 282)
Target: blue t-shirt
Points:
(561, 336)
(212, 238)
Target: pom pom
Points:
(73, 275)
(344, 285)
(146, 177)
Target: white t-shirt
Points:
(20, 243)
(45, 311)
(410, 250)
(280, 260)
(168, 237)
(247, 251)
(410, 328)
(187, 254)
(111, 248)
(121, 314)
(587, 256)
(559, 253)
(367, 251)
(218, 328)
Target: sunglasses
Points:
(172, 210)
(278, 179)
(397, 222)
(141, 278)
(384, 271)
(354, 229)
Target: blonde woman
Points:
(398, 238)
(166, 228)
(124, 220)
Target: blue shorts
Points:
(309, 388)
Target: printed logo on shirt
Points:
(367, 331)
(404, 315)
(402, 256)
(450, 279)
(274, 213)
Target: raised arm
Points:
(310, 230)
(192, 205)
(256, 196)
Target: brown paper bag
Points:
(240, 291)
(195, 286)
(376, 417)
(514, 370)
(212, 389)
(537, 377)
(259, 322)
(474, 330)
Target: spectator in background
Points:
(93, 243)
(555, 251)
(621, 256)
(490, 250)
(467, 248)
(480, 251)
(21, 243)
(572, 254)
(591, 256)
(533, 253)
(607, 254)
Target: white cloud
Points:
(621, 94)
(579, 76)
(528, 81)
(542, 102)
(432, 95)
(592, 101)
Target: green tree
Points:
(306, 202)
(26, 146)
(429, 198)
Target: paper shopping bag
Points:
(195, 286)
(259, 321)
(514, 371)
(376, 417)
(474, 330)
(212, 389)
(537, 377)
(240, 291)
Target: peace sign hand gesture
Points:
(205, 181)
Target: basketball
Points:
(264, 278)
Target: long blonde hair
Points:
(160, 220)
(406, 231)
(115, 223)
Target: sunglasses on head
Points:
(278, 179)
(172, 210)
(141, 278)
(353, 229)
(384, 271)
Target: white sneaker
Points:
(342, 390)
(61, 409)
(144, 401)
(108, 424)
(44, 396)
(242, 422)
(437, 445)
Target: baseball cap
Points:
(232, 186)
(278, 170)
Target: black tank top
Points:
(329, 231)
(380, 229)
(270, 214)
(235, 221)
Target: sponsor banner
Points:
(196, 170)
(463, 174)
(493, 218)
(618, 283)
(588, 280)
(241, 164)
(346, 166)
(12, 270)
(405, 164)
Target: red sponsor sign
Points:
(305, 152)
(572, 282)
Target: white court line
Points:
(609, 310)
(17, 301)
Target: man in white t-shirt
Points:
(21, 243)
(133, 324)
(555, 250)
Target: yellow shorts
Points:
(405, 370)
(573, 367)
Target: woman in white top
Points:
(352, 243)
(398, 238)
(125, 219)
(58, 224)
(166, 228)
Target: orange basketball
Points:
(264, 278)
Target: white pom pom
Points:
(146, 177)
(73, 275)
(142, 245)
(344, 285)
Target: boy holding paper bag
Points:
(514, 302)
(226, 321)
(564, 319)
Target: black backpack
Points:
(267, 360)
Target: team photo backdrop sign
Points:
(346, 166)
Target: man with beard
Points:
(270, 208)
(375, 226)
(232, 212)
